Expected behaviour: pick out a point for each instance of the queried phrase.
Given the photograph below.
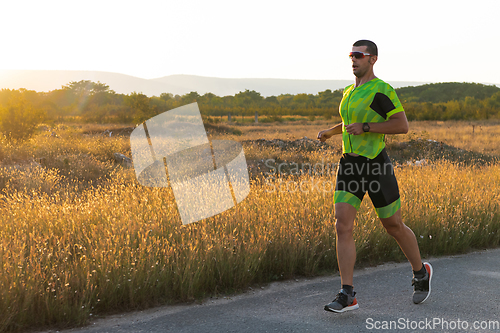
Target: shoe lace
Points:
(421, 284)
(341, 298)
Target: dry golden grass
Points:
(479, 136)
(78, 246)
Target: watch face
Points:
(366, 127)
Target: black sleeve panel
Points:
(382, 105)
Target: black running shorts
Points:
(357, 175)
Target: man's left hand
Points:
(355, 128)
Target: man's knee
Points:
(344, 222)
(393, 229)
(393, 225)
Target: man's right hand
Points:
(324, 135)
(328, 133)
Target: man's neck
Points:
(365, 78)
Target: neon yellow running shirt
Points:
(372, 102)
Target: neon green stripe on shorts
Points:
(389, 210)
(347, 197)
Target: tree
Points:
(84, 93)
(190, 97)
(301, 101)
(18, 121)
(166, 96)
(139, 103)
(248, 98)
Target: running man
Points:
(369, 109)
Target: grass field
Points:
(81, 238)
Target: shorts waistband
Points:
(360, 157)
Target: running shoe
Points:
(422, 286)
(343, 302)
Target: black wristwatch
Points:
(366, 127)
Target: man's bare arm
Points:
(328, 133)
(396, 124)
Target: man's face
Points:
(361, 66)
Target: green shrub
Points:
(18, 121)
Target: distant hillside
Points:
(266, 87)
(96, 102)
(40, 80)
(444, 92)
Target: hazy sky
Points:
(433, 41)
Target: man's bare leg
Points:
(346, 257)
(405, 238)
(408, 244)
(346, 247)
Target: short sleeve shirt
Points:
(372, 102)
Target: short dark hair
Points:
(371, 47)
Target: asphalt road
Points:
(465, 298)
